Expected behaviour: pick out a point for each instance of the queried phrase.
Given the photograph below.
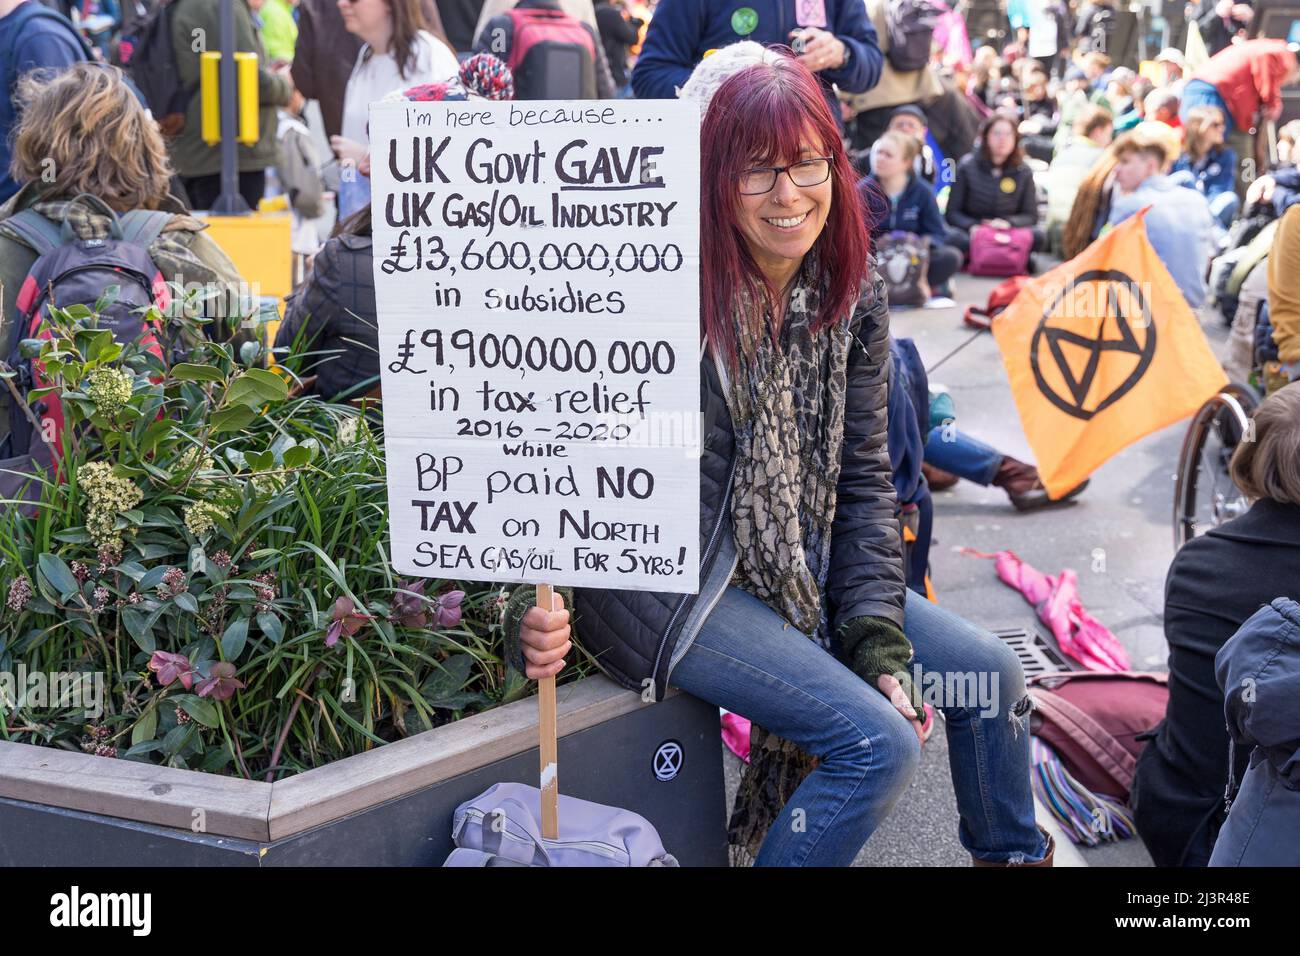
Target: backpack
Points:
(552, 56)
(502, 827)
(909, 25)
(1003, 294)
(71, 271)
(1097, 722)
(151, 61)
(999, 252)
(903, 259)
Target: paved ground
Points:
(1118, 537)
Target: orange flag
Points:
(1101, 351)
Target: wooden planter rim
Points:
(265, 812)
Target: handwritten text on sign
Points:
(537, 280)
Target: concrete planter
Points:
(391, 806)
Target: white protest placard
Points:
(537, 283)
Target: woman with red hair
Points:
(803, 623)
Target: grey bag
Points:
(502, 827)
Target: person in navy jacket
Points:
(838, 41)
(909, 205)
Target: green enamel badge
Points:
(744, 21)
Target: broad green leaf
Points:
(271, 626)
(232, 419)
(204, 711)
(137, 625)
(232, 642)
(178, 737)
(255, 387)
(145, 728)
(187, 372)
(297, 456)
(187, 602)
(58, 575)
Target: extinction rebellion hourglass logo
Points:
(1066, 363)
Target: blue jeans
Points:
(964, 456)
(748, 660)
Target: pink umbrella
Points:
(735, 734)
(1056, 598)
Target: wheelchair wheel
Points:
(1205, 495)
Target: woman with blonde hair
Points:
(84, 132)
(1207, 164)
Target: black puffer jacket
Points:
(334, 312)
(632, 634)
(977, 194)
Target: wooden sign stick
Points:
(547, 746)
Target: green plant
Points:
(215, 547)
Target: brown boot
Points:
(1021, 483)
(937, 478)
(1045, 861)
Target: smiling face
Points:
(781, 225)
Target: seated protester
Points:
(1074, 100)
(994, 187)
(1137, 108)
(929, 166)
(951, 455)
(1162, 106)
(801, 459)
(1179, 223)
(1091, 209)
(1093, 131)
(1207, 165)
(1216, 582)
(912, 207)
(1041, 118)
(332, 316)
(86, 125)
(1116, 94)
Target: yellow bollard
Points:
(210, 97)
(246, 79)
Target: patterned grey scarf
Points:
(787, 409)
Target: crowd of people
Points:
(917, 146)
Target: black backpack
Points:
(910, 26)
(552, 56)
(152, 65)
(72, 271)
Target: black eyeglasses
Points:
(761, 179)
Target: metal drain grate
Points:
(1036, 655)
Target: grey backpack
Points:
(502, 827)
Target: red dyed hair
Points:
(761, 116)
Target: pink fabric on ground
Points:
(735, 734)
(1056, 598)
